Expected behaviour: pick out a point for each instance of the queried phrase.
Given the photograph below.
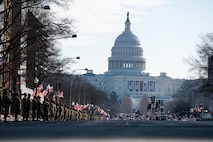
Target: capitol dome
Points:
(126, 54)
(126, 39)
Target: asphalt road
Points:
(105, 130)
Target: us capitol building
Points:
(126, 75)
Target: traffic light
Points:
(201, 106)
(149, 106)
(157, 104)
(152, 99)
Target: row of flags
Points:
(196, 109)
(141, 85)
(43, 90)
(89, 107)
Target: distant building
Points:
(11, 38)
(126, 74)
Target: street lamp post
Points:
(47, 7)
(84, 96)
(36, 81)
(75, 57)
(70, 84)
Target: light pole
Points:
(47, 7)
(36, 81)
(84, 96)
(75, 57)
(70, 84)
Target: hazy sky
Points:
(168, 31)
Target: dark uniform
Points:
(5, 104)
(57, 114)
(0, 106)
(24, 107)
(53, 110)
(34, 107)
(61, 111)
(39, 108)
(16, 106)
(28, 102)
(45, 109)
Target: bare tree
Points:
(126, 104)
(199, 65)
(143, 104)
(189, 95)
(179, 106)
(16, 39)
(202, 65)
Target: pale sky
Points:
(168, 31)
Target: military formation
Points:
(35, 109)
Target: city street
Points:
(105, 130)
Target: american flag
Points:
(45, 92)
(78, 107)
(60, 94)
(34, 92)
(40, 87)
(199, 109)
(51, 89)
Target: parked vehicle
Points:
(164, 117)
(207, 116)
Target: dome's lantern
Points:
(127, 37)
(127, 23)
(127, 54)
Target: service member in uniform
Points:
(34, 108)
(6, 102)
(24, 107)
(16, 106)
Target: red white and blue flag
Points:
(51, 89)
(60, 94)
(44, 93)
(40, 88)
(34, 92)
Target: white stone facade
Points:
(162, 86)
(127, 54)
(125, 72)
